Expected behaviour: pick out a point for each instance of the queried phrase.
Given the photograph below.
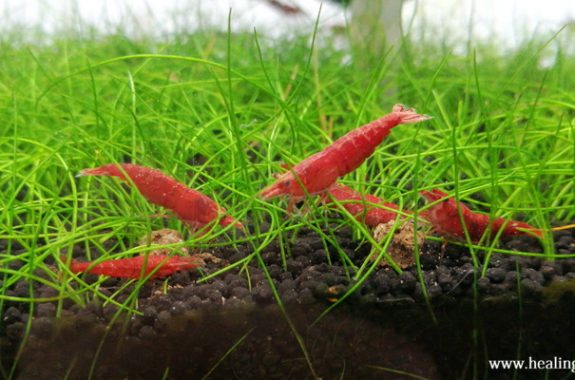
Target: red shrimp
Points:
(285, 8)
(137, 267)
(194, 208)
(364, 207)
(320, 171)
(444, 217)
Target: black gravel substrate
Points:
(232, 328)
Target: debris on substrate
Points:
(165, 236)
(231, 327)
(405, 242)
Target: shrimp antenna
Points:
(561, 228)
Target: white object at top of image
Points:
(509, 20)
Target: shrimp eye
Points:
(285, 183)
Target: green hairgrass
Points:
(221, 112)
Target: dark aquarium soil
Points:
(232, 328)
